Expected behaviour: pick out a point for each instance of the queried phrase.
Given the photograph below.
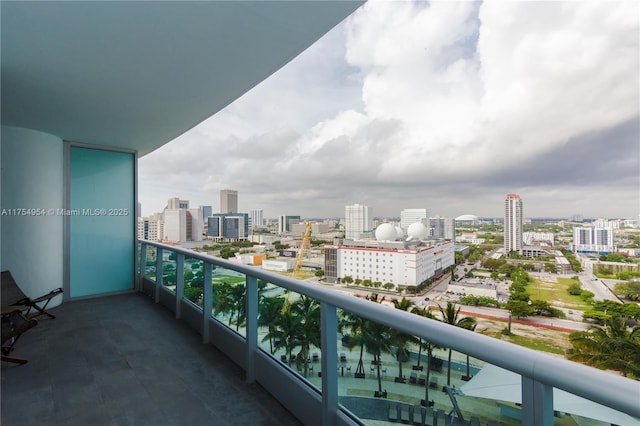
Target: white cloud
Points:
(445, 105)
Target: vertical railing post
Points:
(159, 283)
(143, 265)
(207, 302)
(329, 363)
(252, 326)
(179, 284)
(537, 403)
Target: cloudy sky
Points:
(444, 105)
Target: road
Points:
(602, 289)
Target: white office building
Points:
(182, 224)
(256, 218)
(390, 258)
(593, 240)
(151, 228)
(411, 216)
(513, 223)
(358, 220)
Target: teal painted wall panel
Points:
(102, 219)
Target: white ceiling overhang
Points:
(139, 74)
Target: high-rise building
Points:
(228, 226)
(206, 212)
(441, 227)
(410, 216)
(228, 201)
(358, 219)
(593, 240)
(151, 228)
(285, 222)
(257, 219)
(182, 223)
(513, 223)
(177, 203)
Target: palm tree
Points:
(450, 316)
(308, 310)
(613, 347)
(354, 337)
(429, 347)
(399, 339)
(232, 299)
(269, 310)
(377, 340)
(286, 332)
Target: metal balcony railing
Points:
(540, 373)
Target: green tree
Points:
(319, 273)
(308, 310)
(286, 333)
(628, 290)
(348, 279)
(519, 308)
(613, 347)
(428, 346)
(269, 310)
(231, 299)
(450, 315)
(400, 340)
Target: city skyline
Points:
(449, 107)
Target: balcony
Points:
(125, 360)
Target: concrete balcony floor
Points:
(123, 360)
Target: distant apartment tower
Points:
(358, 219)
(206, 212)
(228, 226)
(441, 227)
(513, 223)
(593, 240)
(176, 203)
(285, 223)
(411, 216)
(151, 228)
(181, 223)
(257, 219)
(228, 201)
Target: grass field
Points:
(556, 293)
(536, 343)
(229, 279)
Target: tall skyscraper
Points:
(513, 223)
(358, 219)
(411, 216)
(256, 218)
(228, 201)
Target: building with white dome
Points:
(392, 257)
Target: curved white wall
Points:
(32, 178)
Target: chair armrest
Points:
(48, 296)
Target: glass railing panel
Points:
(150, 267)
(289, 330)
(193, 280)
(169, 279)
(271, 300)
(229, 298)
(385, 375)
(572, 409)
